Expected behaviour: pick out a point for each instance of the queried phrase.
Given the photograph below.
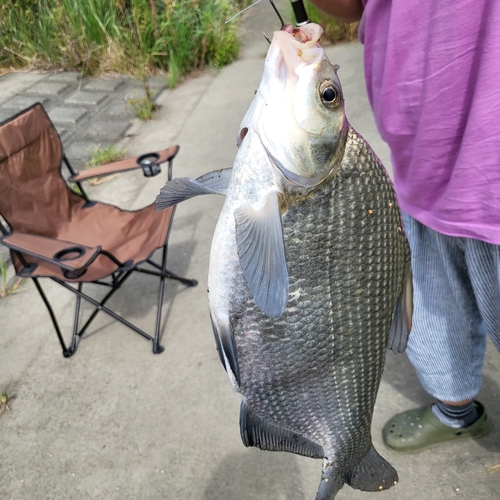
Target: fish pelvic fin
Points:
(226, 347)
(256, 431)
(401, 323)
(331, 482)
(261, 250)
(373, 473)
(184, 188)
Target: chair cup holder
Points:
(69, 254)
(148, 164)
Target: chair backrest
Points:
(34, 197)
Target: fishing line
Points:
(255, 3)
(241, 11)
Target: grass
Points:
(143, 106)
(4, 402)
(170, 37)
(8, 286)
(334, 31)
(104, 155)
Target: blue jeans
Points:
(456, 305)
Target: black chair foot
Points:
(191, 282)
(69, 352)
(158, 349)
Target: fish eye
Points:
(330, 96)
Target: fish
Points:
(309, 276)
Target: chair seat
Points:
(130, 236)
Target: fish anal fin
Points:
(401, 323)
(226, 348)
(266, 435)
(331, 482)
(261, 250)
(373, 473)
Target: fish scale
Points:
(343, 315)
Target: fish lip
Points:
(299, 180)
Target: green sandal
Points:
(418, 428)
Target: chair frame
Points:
(117, 279)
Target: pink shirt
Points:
(433, 79)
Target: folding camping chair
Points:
(54, 232)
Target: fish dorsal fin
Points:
(226, 347)
(401, 323)
(261, 250)
(265, 435)
(373, 473)
(184, 188)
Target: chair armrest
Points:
(126, 165)
(67, 255)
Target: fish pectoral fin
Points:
(184, 188)
(265, 435)
(373, 473)
(261, 250)
(226, 348)
(401, 323)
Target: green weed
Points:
(101, 156)
(143, 106)
(8, 286)
(4, 402)
(104, 155)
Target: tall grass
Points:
(126, 36)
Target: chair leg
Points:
(100, 306)
(76, 335)
(157, 348)
(66, 352)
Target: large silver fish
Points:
(309, 269)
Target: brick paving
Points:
(86, 112)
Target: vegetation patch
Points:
(8, 285)
(124, 36)
(4, 402)
(105, 155)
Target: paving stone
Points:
(20, 102)
(156, 82)
(16, 82)
(80, 152)
(107, 130)
(138, 93)
(88, 98)
(47, 88)
(5, 114)
(67, 115)
(65, 76)
(103, 85)
(64, 134)
(120, 109)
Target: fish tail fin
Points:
(373, 473)
(331, 482)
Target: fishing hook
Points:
(277, 13)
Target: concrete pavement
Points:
(116, 421)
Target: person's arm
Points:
(343, 10)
